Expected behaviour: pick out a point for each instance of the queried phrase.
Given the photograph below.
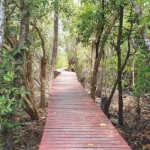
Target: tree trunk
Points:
(138, 109)
(23, 41)
(97, 56)
(100, 83)
(93, 56)
(2, 19)
(120, 110)
(43, 80)
(108, 101)
(43, 67)
(54, 52)
(133, 71)
(29, 76)
(97, 61)
(139, 14)
(31, 109)
(76, 59)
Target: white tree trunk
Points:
(2, 19)
(139, 14)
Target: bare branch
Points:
(8, 16)
(17, 4)
(37, 80)
(7, 47)
(10, 41)
(41, 37)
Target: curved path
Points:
(75, 122)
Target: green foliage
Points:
(88, 21)
(83, 62)
(17, 140)
(62, 60)
(143, 74)
(11, 96)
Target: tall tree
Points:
(121, 65)
(43, 66)
(55, 41)
(23, 42)
(118, 48)
(100, 54)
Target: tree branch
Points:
(10, 41)
(17, 4)
(7, 17)
(7, 47)
(41, 37)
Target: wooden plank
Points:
(111, 148)
(75, 122)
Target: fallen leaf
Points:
(90, 144)
(103, 125)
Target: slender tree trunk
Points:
(2, 19)
(93, 56)
(43, 80)
(99, 34)
(105, 77)
(133, 71)
(108, 101)
(139, 14)
(138, 109)
(98, 54)
(120, 112)
(55, 44)
(76, 58)
(43, 71)
(43, 67)
(97, 61)
(30, 75)
(100, 83)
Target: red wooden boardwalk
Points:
(75, 122)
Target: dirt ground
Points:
(29, 136)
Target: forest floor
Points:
(136, 130)
(30, 134)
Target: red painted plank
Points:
(110, 148)
(73, 145)
(75, 122)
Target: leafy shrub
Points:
(11, 97)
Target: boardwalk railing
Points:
(75, 122)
